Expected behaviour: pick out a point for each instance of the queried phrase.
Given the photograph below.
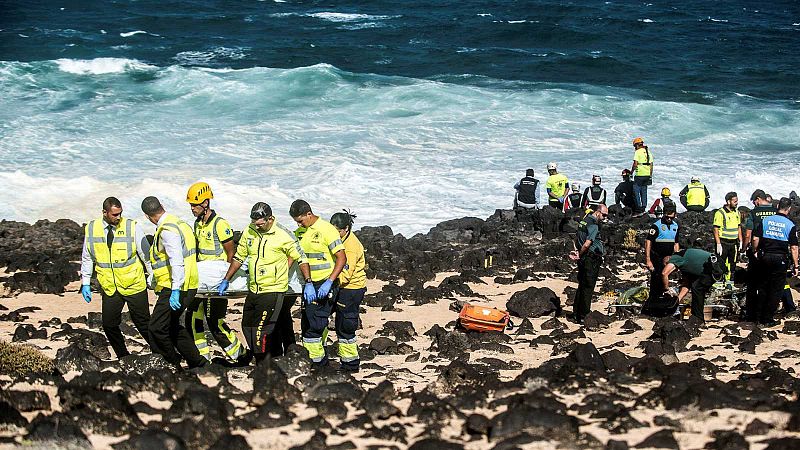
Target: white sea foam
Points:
(100, 66)
(133, 33)
(345, 17)
(202, 57)
(647, 20)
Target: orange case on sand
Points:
(480, 318)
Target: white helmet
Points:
(552, 166)
(576, 187)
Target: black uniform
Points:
(593, 196)
(754, 272)
(526, 191)
(623, 194)
(776, 234)
(588, 265)
(662, 236)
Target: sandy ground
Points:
(696, 425)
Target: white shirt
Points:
(170, 243)
(87, 262)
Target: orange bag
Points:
(480, 318)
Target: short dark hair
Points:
(343, 220)
(730, 195)
(299, 208)
(784, 203)
(529, 173)
(260, 210)
(111, 202)
(758, 193)
(669, 208)
(151, 206)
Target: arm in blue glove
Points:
(86, 291)
(309, 293)
(325, 289)
(223, 286)
(175, 300)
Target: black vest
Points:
(527, 190)
(596, 195)
(575, 200)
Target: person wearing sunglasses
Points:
(269, 249)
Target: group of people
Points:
(321, 263)
(765, 236)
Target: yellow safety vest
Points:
(644, 162)
(354, 275)
(117, 268)
(267, 257)
(210, 236)
(320, 242)
(728, 223)
(162, 270)
(696, 195)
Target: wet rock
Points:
(152, 439)
(377, 402)
(27, 401)
(659, 439)
(73, 357)
(533, 302)
(58, 429)
(727, 440)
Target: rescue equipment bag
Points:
(481, 318)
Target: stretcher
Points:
(211, 274)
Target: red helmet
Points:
(626, 172)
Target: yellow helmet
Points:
(638, 140)
(198, 192)
(665, 192)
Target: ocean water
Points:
(407, 113)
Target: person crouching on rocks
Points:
(269, 250)
(115, 249)
(325, 252)
(352, 287)
(698, 269)
(590, 257)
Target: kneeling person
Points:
(353, 286)
(269, 250)
(698, 269)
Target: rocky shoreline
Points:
(618, 382)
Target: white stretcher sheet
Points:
(211, 274)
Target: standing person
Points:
(698, 269)
(595, 194)
(775, 246)
(623, 194)
(643, 173)
(174, 261)
(728, 233)
(557, 185)
(661, 242)
(214, 237)
(761, 208)
(326, 256)
(269, 250)
(352, 287)
(527, 188)
(116, 250)
(657, 208)
(573, 200)
(589, 256)
(694, 196)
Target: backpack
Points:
(480, 318)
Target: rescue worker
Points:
(573, 200)
(694, 196)
(775, 245)
(698, 269)
(527, 195)
(761, 208)
(269, 250)
(623, 194)
(214, 237)
(661, 242)
(728, 233)
(657, 208)
(589, 254)
(174, 262)
(326, 257)
(642, 169)
(557, 185)
(352, 287)
(595, 194)
(116, 250)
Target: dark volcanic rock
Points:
(199, 417)
(271, 383)
(533, 302)
(383, 345)
(435, 444)
(400, 330)
(58, 429)
(659, 439)
(378, 401)
(727, 440)
(73, 357)
(596, 320)
(27, 401)
(10, 415)
(101, 411)
(541, 422)
(757, 427)
(152, 439)
(231, 442)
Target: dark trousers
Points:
(730, 254)
(314, 320)
(699, 287)
(168, 337)
(771, 285)
(754, 274)
(588, 270)
(112, 318)
(556, 204)
(696, 208)
(788, 301)
(212, 311)
(284, 330)
(348, 304)
(656, 285)
(260, 316)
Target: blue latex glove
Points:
(325, 289)
(175, 300)
(223, 286)
(86, 291)
(309, 293)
